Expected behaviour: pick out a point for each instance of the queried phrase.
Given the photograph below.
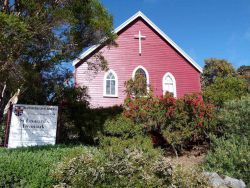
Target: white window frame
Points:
(174, 83)
(104, 84)
(147, 75)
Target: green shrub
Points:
(186, 178)
(80, 124)
(230, 157)
(225, 89)
(234, 117)
(230, 154)
(120, 134)
(137, 86)
(215, 68)
(134, 168)
(99, 169)
(121, 126)
(31, 167)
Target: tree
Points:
(216, 68)
(38, 36)
(244, 72)
(225, 89)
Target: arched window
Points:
(140, 70)
(110, 84)
(169, 84)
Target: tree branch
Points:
(6, 6)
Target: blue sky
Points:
(202, 28)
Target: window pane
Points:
(110, 76)
(141, 72)
(107, 87)
(113, 87)
(168, 80)
(168, 87)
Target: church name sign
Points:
(32, 125)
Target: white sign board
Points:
(32, 125)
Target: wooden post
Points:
(7, 127)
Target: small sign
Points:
(32, 125)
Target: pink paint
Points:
(157, 57)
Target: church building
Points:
(142, 48)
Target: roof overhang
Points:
(158, 30)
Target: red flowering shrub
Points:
(199, 112)
(147, 110)
(188, 121)
(182, 122)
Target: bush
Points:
(189, 122)
(80, 124)
(177, 122)
(186, 178)
(133, 169)
(77, 122)
(121, 134)
(225, 89)
(230, 157)
(234, 117)
(215, 68)
(31, 167)
(230, 154)
(147, 110)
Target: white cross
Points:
(139, 36)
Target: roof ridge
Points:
(158, 30)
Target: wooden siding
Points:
(158, 57)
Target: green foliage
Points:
(125, 158)
(146, 110)
(189, 121)
(244, 72)
(186, 178)
(221, 82)
(230, 157)
(122, 127)
(234, 117)
(137, 87)
(31, 167)
(134, 168)
(216, 68)
(230, 154)
(80, 124)
(225, 89)
(178, 122)
(37, 40)
(121, 134)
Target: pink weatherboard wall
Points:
(158, 57)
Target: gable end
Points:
(119, 29)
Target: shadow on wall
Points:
(80, 124)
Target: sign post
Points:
(31, 125)
(7, 127)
